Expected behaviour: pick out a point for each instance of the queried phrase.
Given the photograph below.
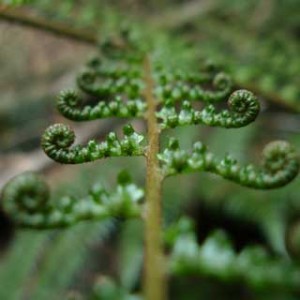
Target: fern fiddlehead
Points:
(279, 165)
(69, 106)
(26, 198)
(190, 86)
(243, 109)
(104, 83)
(24, 195)
(58, 139)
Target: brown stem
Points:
(181, 14)
(154, 276)
(21, 17)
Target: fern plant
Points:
(126, 81)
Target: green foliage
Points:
(59, 251)
(217, 258)
(15, 2)
(34, 273)
(107, 289)
(16, 267)
(130, 252)
(261, 53)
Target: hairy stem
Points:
(21, 17)
(154, 276)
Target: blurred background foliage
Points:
(257, 42)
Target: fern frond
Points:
(93, 83)
(68, 104)
(58, 139)
(243, 109)
(181, 86)
(279, 165)
(26, 199)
